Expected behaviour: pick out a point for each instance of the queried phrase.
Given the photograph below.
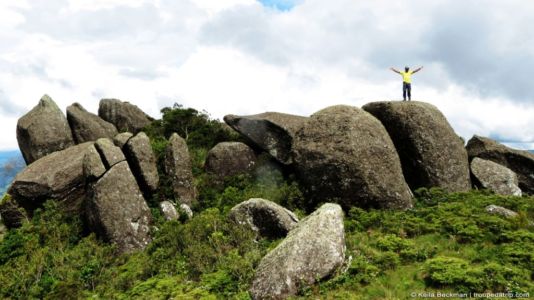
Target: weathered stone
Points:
(314, 250)
(265, 217)
(11, 214)
(345, 154)
(229, 159)
(58, 176)
(86, 126)
(431, 153)
(125, 116)
(187, 210)
(169, 211)
(495, 177)
(271, 131)
(499, 210)
(143, 162)
(109, 153)
(43, 130)
(521, 162)
(178, 168)
(93, 167)
(116, 210)
(122, 138)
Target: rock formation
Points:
(495, 177)
(143, 162)
(345, 155)
(57, 176)
(271, 131)
(122, 138)
(109, 153)
(86, 126)
(315, 249)
(43, 130)
(178, 168)
(265, 217)
(229, 159)
(116, 210)
(521, 162)
(431, 154)
(125, 116)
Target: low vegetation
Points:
(447, 243)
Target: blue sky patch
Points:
(282, 5)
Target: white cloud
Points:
(240, 57)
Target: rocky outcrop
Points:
(178, 168)
(499, 210)
(521, 162)
(93, 167)
(109, 153)
(345, 154)
(143, 162)
(58, 176)
(265, 217)
(494, 177)
(116, 210)
(11, 214)
(315, 249)
(122, 138)
(271, 131)
(125, 116)
(431, 154)
(43, 130)
(169, 211)
(86, 126)
(229, 159)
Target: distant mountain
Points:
(11, 162)
(531, 151)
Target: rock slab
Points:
(86, 126)
(43, 130)
(125, 116)
(229, 159)
(431, 153)
(265, 217)
(178, 168)
(521, 162)
(142, 159)
(116, 210)
(315, 249)
(495, 177)
(271, 131)
(345, 154)
(499, 210)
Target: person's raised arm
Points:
(417, 70)
(394, 70)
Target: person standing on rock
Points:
(407, 81)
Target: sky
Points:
(294, 56)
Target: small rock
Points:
(43, 130)
(499, 210)
(169, 211)
(264, 217)
(87, 127)
(187, 210)
(143, 162)
(314, 250)
(229, 159)
(11, 214)
(125, 116)
(495, 177)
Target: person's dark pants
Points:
(406, 89)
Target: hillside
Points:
(445, 239)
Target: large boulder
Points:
(345, 154)
(314, 250)
(86, 126)
(143, 162)
(116, 210)
(58, 176)
(495, 177)
(431, 153)
(265, 217)
(93, 166)
(271, 131)
(178, 168)
(521, 162)
(229, 159)
(109, 153)
(122, 138)
(125, 116)
(43, 130)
